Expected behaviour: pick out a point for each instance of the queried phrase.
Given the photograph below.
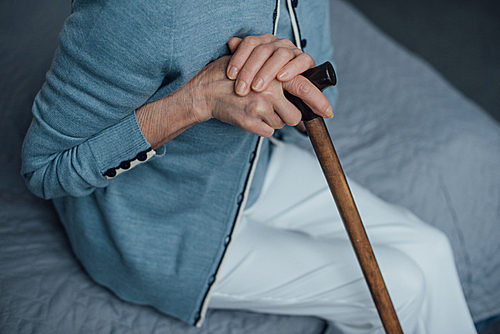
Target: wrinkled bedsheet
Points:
(405, 133)
(400, 130)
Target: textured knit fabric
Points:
(156, 233)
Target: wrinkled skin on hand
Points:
(214, 93)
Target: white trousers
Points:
(291, 255)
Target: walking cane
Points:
(322, 77)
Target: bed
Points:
(399, 128)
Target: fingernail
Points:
(329, 111)
(232, 72)
(282, 74)
(240, 87)
(258, 83)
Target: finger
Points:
(259, 127)
(301, 127)
(244, 50)
(264, 130)
(266, 60)
(233, 44)
(265, 112)
(260, 57)
(254, 125)
(230, 114)
(254, 63)
(231, 71)
(299, 64)
(287, 111)
(274, 121)
(310, 94)
(270, 68)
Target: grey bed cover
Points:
(400, 130)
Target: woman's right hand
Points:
(257, 112)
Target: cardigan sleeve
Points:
(111, 59)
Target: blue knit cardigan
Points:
(151, 226)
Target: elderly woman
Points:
(162, 135)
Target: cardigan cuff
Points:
(120, 147)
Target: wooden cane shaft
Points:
(341, 192)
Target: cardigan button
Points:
(240, 198)
(197, 317)
(110, 172)
(211, 280)
(252, 157)
(226, 241)
(125, 164)
(303, 43)
(142, 156)
(295, 3)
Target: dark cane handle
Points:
(321, 76)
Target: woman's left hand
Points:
(257, 60)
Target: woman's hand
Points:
(257, 112)
(258, 60)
